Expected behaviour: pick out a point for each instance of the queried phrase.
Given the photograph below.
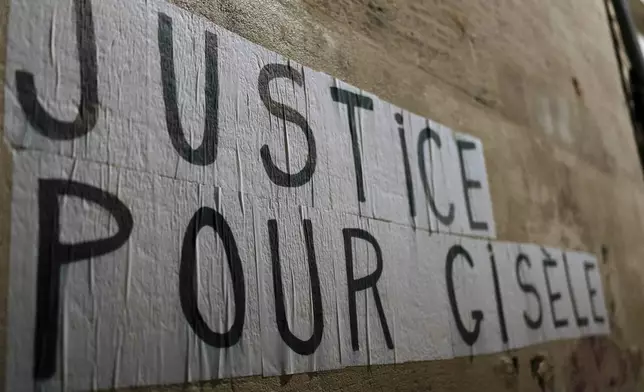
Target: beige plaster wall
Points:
(537, 81)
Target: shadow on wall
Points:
(599, 364)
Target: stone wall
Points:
(537, 81)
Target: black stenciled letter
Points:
(529, 289)
(369, 281)
(425, 136)
(588, 266)
(189, 285)
(87, 114)
(277, 176)
(353, 101)
(469, 337)
(581, 321)
(468, 184)
(549, 262)
(408, 180)
(302, 347)
(497, 295)
(52, 254)
(207, 152)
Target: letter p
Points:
(52, 254)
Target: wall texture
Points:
(637, 8)
(537, 81)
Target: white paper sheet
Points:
(163, 253)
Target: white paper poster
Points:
(190, 206)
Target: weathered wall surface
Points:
(538, 83)
(637, 8)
